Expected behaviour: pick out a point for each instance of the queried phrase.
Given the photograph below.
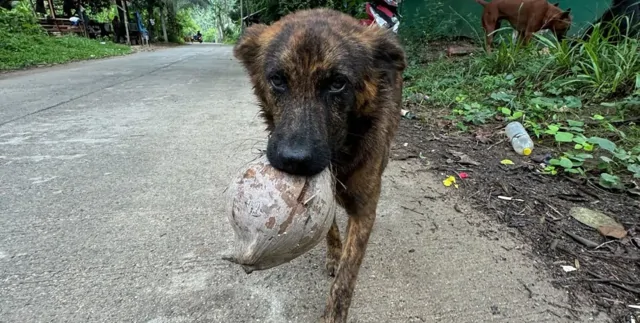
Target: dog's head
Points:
(314, 72)
(558, 20)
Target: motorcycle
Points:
(384, 13)
(197, 38)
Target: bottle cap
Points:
(526, 151)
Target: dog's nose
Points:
(299, 160)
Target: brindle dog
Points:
(330, 91)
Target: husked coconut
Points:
(276, 216)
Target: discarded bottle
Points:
(520, 140)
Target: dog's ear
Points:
(388, 52)
(566, 14)
(248, 47)
(557, 4)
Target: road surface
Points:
(112, 175)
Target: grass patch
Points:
(23, 43)
(581, 100)
(20, 51)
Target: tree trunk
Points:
(219, 24)
(150, 6)
(120, 7)
(126, 23)
(164, 25)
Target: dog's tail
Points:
(482, 2)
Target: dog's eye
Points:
(338, 85)
(277, 81)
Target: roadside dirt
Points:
(153, 47)
(537, 206)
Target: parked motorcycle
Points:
(383, 13)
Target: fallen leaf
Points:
(577, 263)
(407, 114)
(506, 162)
(464, 158)
(451, 180)
(617, 232)
(569, 268)
(594, 219)
(483, 139)
(541, 158)
(483, 136)
(444, 124)
(463, 175)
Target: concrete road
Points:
(111, 210)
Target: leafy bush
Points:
(19, 20)
(186, 23)
(209, 35)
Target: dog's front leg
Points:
(358, 231)
(360, 204)
(334, 249)
(526, 38)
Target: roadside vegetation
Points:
(583, 100)
(23, 43)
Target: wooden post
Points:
(126, 22)
(52, 9)
(85, 22)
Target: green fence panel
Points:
(453, 18)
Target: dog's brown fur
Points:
(526, 17)
(330, 92)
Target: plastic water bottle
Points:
(520, 140)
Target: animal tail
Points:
(482, 2)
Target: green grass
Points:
(23, 43)
(584, 101)
(19, 51)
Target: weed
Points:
(581, 98)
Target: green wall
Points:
(462, 17)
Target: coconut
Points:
(276, 217)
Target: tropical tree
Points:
(221, 10)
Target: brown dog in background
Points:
(526, 17)
(330, 92)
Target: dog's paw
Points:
(331, 266)
(324, 319)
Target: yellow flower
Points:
(450, 180)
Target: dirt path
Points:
(538, 207)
